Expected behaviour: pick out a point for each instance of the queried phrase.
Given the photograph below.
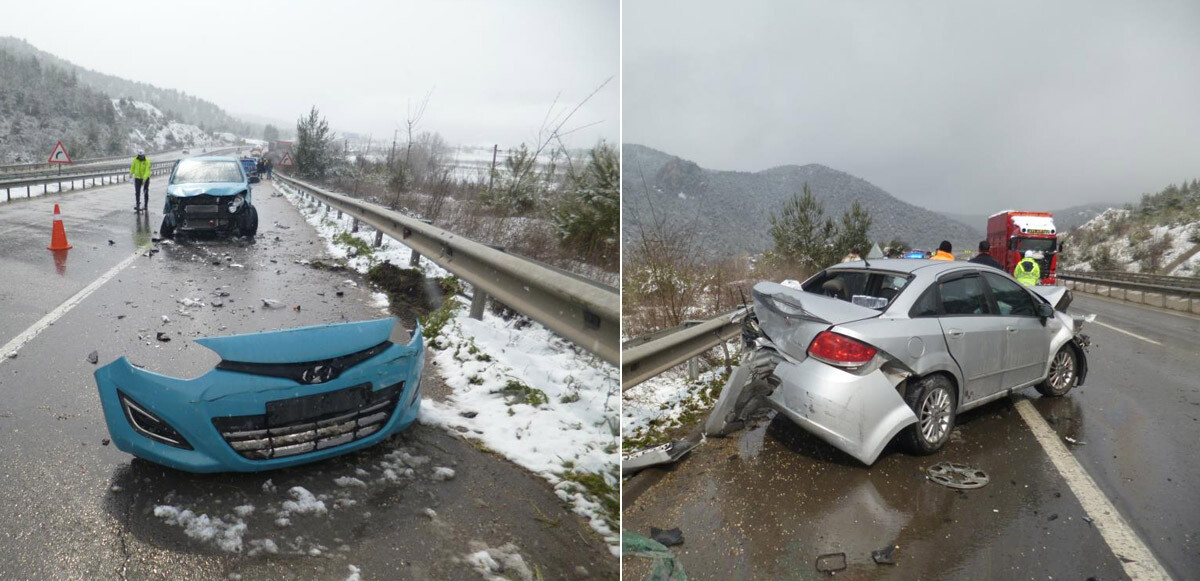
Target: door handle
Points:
(1011, 329)
(956, 333)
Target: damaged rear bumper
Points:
(277, 399)
(857, 414)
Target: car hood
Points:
(211, 189)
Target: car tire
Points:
(248, 222)
(166, 231)
(935, 403)
(1064, 373)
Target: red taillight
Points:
(840, 350)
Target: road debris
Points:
(93, 357)
(166, 319)
(105, 442)
(110, 243)
(11, 355)
(665, 567)
(668, 537)
(163, 337)
(831, 562)
(1071, 440)
(958, 476)
(885, 556)
(271, 304)
(189, 302)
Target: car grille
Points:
(310, 423)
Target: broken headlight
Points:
(236, 203)
(149, 425)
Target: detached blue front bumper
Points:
(276, 399)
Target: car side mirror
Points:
(1045, 311)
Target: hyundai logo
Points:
(317, 374)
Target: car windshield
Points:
(1046, 245)
(209, 171)
(871, 289)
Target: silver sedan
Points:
(865, 352)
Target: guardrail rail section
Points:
(584, 312)
(1178, 293)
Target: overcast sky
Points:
(961, 106)
(494, 67)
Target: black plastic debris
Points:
(341, 293)
(104, 442)
(110, 243)
(468, 414)
(163, 337)
(831, 562)
(958, 476)
(667, 537)
(93, 357)
(1053, 517)
(885, 556)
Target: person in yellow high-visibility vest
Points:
(1027, 272)
(140, 170)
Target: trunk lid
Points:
(791, 317)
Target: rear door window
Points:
(963, 296)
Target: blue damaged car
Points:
(209, 194)
(276, 399)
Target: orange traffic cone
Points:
(58, 239)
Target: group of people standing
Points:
(1027, 272)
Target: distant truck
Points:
(1012, 233)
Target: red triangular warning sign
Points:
(286, 159)
(59, 154)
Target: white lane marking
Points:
(60, 310)
(1134, 335)
(1135, 556)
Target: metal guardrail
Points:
(585, 313)
(107, 176)
(652, 354)
(1171, 285)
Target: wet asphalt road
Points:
(766, 502)
(74, 508)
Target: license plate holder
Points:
(317, 406)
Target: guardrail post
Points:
(339, 214)
(378, 238)
(355, 228)
(414, 260)
(693, 370)
(478, 302)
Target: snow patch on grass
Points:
(503, 563)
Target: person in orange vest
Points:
(943, 252)
(140, 170)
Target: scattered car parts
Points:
(957, 476)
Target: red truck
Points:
(1011, 234)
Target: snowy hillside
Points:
(1160, 235)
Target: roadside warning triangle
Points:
(286, 159)
(59, 154)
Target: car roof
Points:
(907, 265)
(211, 158)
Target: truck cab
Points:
(1011, 234)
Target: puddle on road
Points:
(767, 502)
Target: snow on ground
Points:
(518, 389)
(668, 401)
(503, 563)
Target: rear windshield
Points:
(194, 171)
(866, 288)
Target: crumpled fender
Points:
(190, 406)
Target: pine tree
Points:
(313, 149)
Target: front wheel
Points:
(167, 231)
(248, 222)
(934, 402)
(1063, 373)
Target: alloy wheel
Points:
(935, 416)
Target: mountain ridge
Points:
(732, 208)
